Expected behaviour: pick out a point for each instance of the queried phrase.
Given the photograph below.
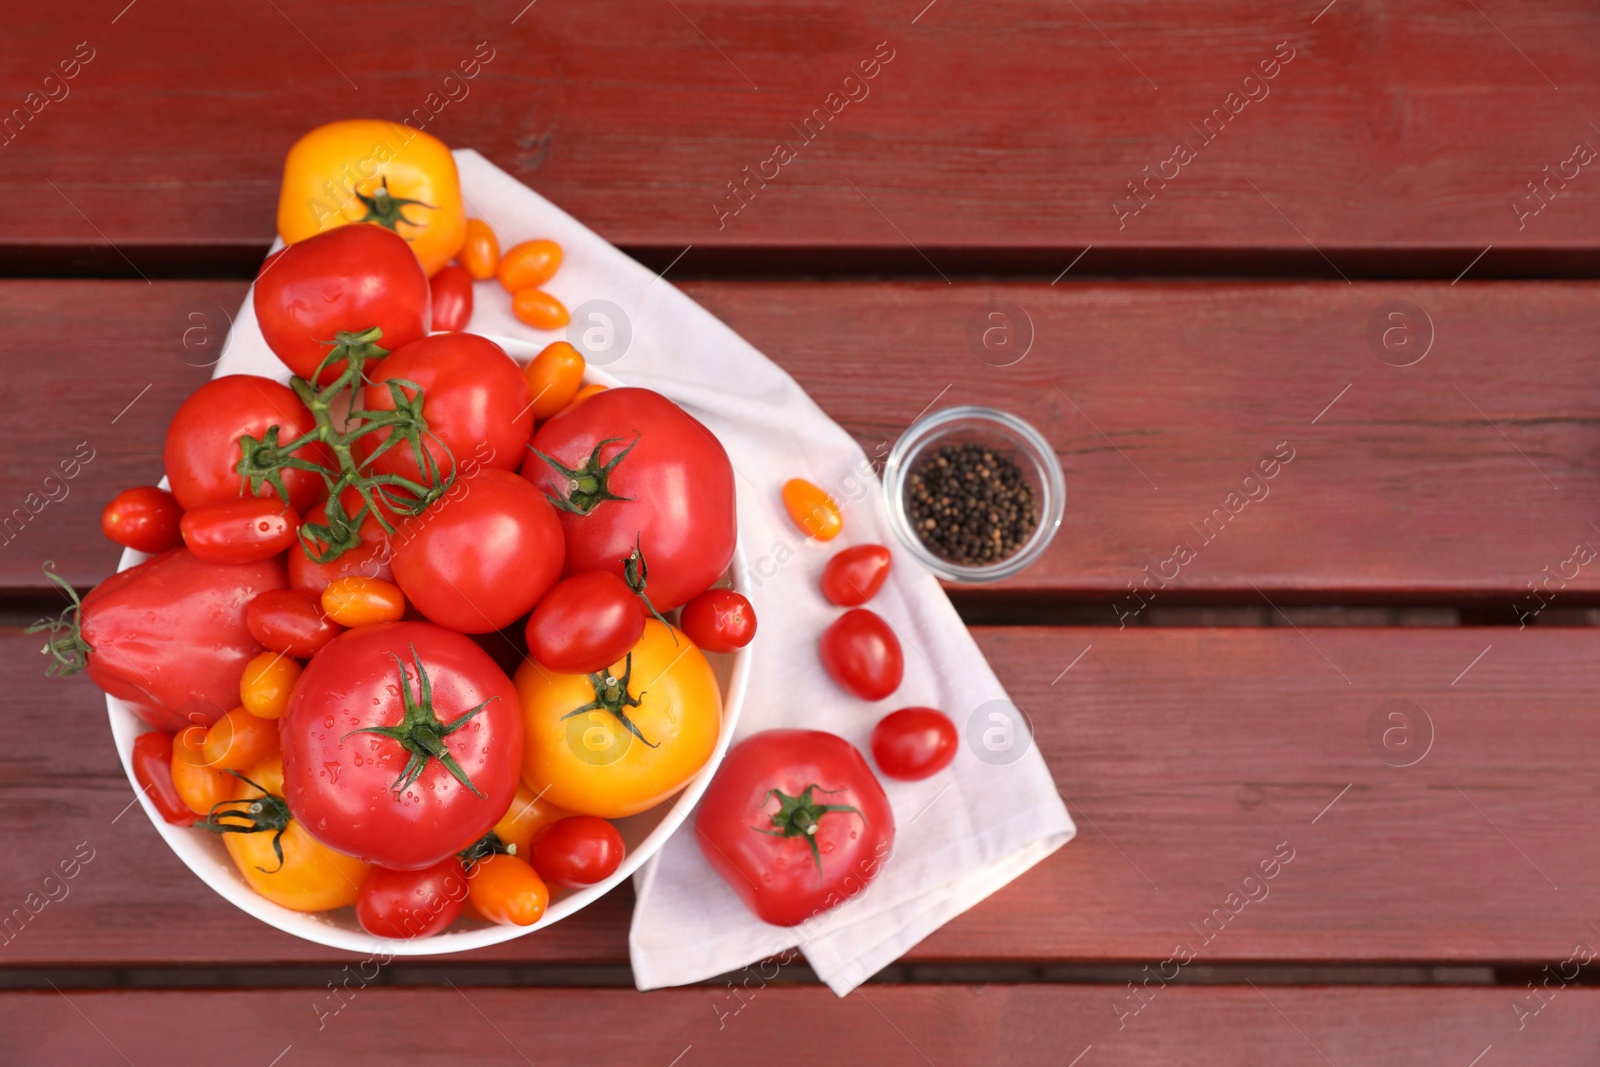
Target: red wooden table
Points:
(1377, 254)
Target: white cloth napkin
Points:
(961, 834)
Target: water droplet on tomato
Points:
(332, 769)
(327, 722)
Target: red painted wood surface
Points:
(1469, 476)
(1188, 758)
(997, 133)
(880, 1025)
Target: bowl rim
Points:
(1051, 509)
(199, 857)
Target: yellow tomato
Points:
(529, 265)
(355, 600)
(622, 740)
(812, 509)
(372, 170)
(505, 890)
(539, 309)
(554, 377)
(267, 683)
(480, 252)
(311, 876)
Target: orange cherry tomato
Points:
(359, 601)
(529, 265)
(239, 740)
(539, 309)
(813, 510)
(198, 786)
(554, 378)
(480, 253)
(529, 813)
(267, 683)
(506, 890)
(584, 394)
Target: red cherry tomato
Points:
(585, 623)
(719, 620)
(408, 904)
(914, 743)
(240, 531)
(854, 576)
(862, 654)
(347, 279)
(143, 518)
(202, 449)
(452, 298)
(152, 769)
(370, 559)
(576, 851)
(483, 555)
(474, 397)
(290, 621)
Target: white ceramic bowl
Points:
(644, 834)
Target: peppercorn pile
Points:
(971, 505)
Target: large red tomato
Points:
(795, 823)
(627, 467)
(473, 396)
(169, 636)
(346, 280)
(402, 744)
(202, 451)
(482, 555)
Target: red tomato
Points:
(345, 280)
(408, 904)
(862, 654)
(240, 531)
(368, 560)
(169, 635)
(202, 450)
(474, 397)
(719, 620)
(795, 823)
(585, 623)
(290, 621)
(152, 769)
(854, 576)
(576, 851)
(481, 556)
(452, 298)
(629, 466)
(144, 518)
(914, 743)
(357, 768)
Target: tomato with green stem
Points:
(206, 441)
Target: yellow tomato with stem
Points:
(622, 740)
(379, 172)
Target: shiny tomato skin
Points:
(144, 518)
(452, 299)
(347, 279)
(169, 635)
(676, 478)
(862, 654)
(152, 770)
(854, 575)
(240, 531)
(576, 851)
(914, 743)
(408, 904)
(719, 620)
(778, 878)
(338, 782)
(483, 555)
(202, 448)
(474, 397)
(585, 623)
(370, 559)
(290, 621)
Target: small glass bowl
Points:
(1001, 433)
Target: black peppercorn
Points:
(971, 505)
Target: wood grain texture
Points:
(1188, 758)
(1011, 127)
(881, 1025)
(1467, 477)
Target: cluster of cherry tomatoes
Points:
(403, 637)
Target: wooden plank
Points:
(1003, 134)
(1189, 758)
(1466, 477)
(892, 1025)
